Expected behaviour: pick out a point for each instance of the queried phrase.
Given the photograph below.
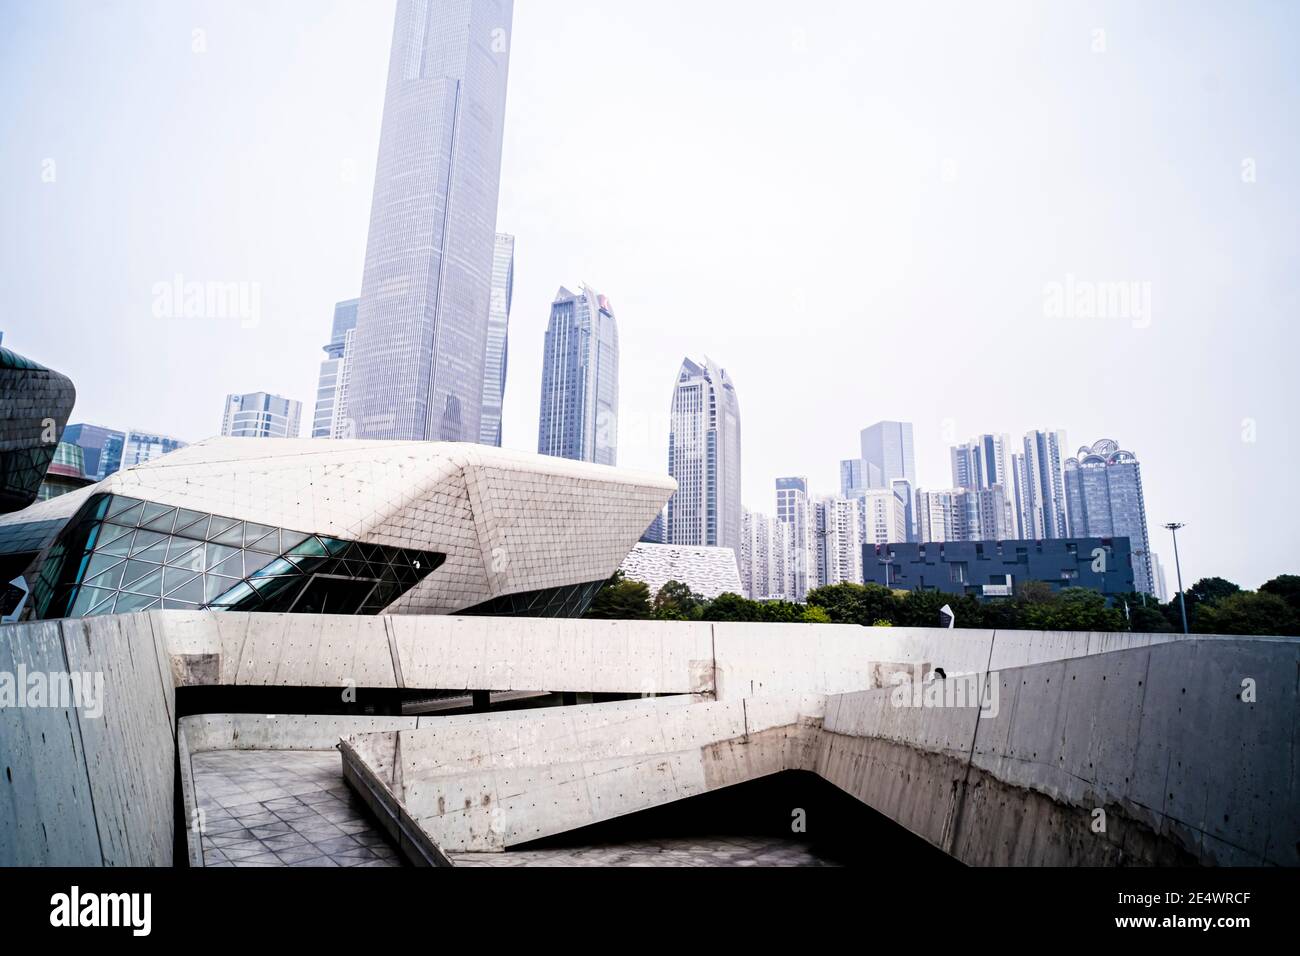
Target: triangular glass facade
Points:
(120, 554)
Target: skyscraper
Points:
(887, 447)
(260, 415)
(1041, 488)
(794, 510)
(494, 363)
(421, 336)
(984, 463)
(578, 417)
(329, 409)
(1104, 487)
(884, 515)
(962, 514)
(839, 540)
(704, 457)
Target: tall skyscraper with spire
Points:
(578, 417)
(704, 457)
(422, 323)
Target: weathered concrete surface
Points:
(658, 657)
(1157, 738)
(1142, 756)
(1181, 768)
(472, 784)
(79, 789)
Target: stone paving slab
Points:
(283, 808)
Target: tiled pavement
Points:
(692, 851)
(283, 808)
(292, 808)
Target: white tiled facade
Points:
(508, 521)
(706, 571)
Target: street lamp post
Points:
(1173, 527)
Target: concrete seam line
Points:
(81, 740)
(960, 797)
(160, 654)
(392, 650)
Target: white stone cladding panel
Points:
(707, 571)
(507, 521)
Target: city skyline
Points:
(952, 177)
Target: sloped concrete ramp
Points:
(1164, 754)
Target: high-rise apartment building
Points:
(794, 510)
(330, 409)
(704, 457)
(985, 462)
(260, 415)
(1040, 486)
(962, 514)
(578, 417)
(883, 515)
(764, 558)
(422, 323)
(839, 540)
(1103, 484)
(498, 333)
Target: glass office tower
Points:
(421, 335)
(578, 418)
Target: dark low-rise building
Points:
(990, 569)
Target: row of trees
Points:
(1214, 606)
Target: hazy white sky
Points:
(854, 207)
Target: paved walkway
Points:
(292, 808)
(283, 808)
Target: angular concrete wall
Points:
(77, 789)
(1158, 739)
(478, 785)
(1146, 727)
(660, 657)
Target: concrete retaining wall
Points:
(83, 790)
(479, 785)
(1156, 738)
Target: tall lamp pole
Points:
(1173, 527)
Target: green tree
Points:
(1211, 591)
(812, 614)
(848, 603)
(621, 599)
(1248, 612)
(732, 607)
(921, 609)
(677, 602)
(1285, 586)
